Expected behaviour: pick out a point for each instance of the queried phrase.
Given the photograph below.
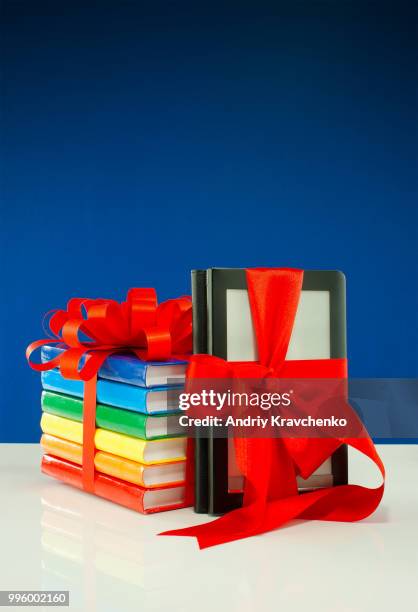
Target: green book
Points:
(123, 421)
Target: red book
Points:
(119, 491)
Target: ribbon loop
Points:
(158, 343)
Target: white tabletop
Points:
(57, 538)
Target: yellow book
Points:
(148, 476)
(148, 452)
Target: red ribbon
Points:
(152, 331)
(270, 466)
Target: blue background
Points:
(140, 140)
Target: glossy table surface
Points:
(54, 537)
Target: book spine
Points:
(113, 489)
(120, 445)
(71, 451)
(141, 431)
(62, 405)
(62, 428)
(200, 345)
(53, 381)
(141, 476)
(142, 376)
(131, 372)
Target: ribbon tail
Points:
(266, 457)
(343, 503)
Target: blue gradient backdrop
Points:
(139, 140)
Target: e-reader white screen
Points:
(311, 339)
(311, 335)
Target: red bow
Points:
(140, 325)
(270, 466)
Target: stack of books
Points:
(140, 456)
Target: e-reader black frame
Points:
(218, 281)
(200, 345)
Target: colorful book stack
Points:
(140, 457)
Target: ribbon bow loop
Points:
(93, 329)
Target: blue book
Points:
(129, 369)
(130, 397)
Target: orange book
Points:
(149, 476)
